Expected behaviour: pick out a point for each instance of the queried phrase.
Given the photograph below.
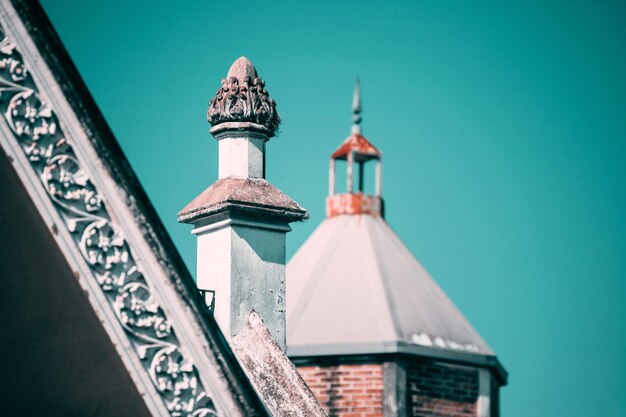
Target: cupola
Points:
(357, 151)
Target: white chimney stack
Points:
(241, 220)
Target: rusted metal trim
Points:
(354, 203)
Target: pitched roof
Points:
(107, 229)
(354, 287)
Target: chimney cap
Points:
(242, 98)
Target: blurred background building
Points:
(370, 331)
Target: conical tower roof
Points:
(355, 288)
(355, 283)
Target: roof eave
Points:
(306, 352)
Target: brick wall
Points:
(354, 390)
(432, 389)
(440, 390)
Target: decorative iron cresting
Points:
(36, 128)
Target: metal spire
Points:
(356, 108)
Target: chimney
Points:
(241, 220)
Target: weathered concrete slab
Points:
(242, 194)
(272, 374)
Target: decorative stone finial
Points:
(356, 108)
(243, 98)
(242, 69)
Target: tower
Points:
(241, 220)
(369, 330)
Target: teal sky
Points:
(503, 126)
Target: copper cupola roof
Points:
(356, 142)
(357, 151)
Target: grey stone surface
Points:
(273, 376)
(395, 389)
(251, 195)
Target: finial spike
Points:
(356, 108)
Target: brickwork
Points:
(357, 390)
(440, 390)
(354, 390)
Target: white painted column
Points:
(241, 257)
(484, 393)
(243, 260)
(241, 154)
(331, 177)
(379, 177)
(394, 389)
(350, 179)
